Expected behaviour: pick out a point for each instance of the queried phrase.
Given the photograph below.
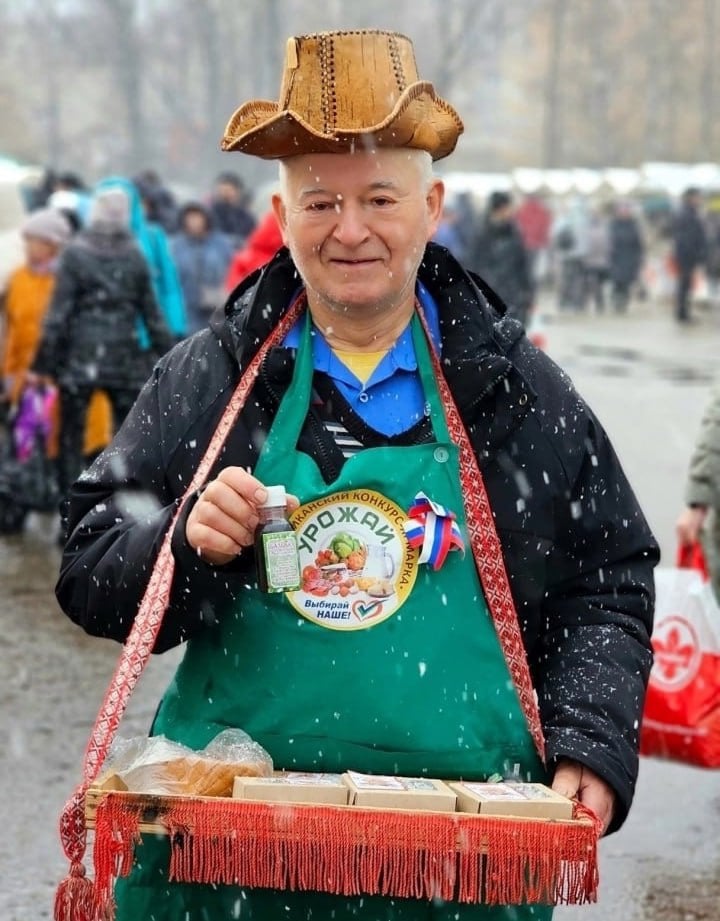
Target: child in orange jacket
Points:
(28, 295)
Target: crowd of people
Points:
(587, 256)
(112, 277)
(77, 303)
(590, 255)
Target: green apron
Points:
(410, 680)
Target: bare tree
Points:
(125, 84)
(552, 126)
(600, 78)
(464, 31)
(708, 109)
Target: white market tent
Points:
(621, 180)
(479, 185)
(674, 178)
(614, 180)
(12, 171)
(554, 182)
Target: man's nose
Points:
(351, 225)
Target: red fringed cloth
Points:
(352, 851)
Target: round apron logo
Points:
(357, 567)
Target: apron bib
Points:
(378, 664)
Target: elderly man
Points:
(367, 370)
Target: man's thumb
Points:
(567, 779)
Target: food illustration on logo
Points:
(357, 567)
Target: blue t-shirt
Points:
(391, 400)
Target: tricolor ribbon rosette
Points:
(434, 528)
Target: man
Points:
(229, 210)
(394, 359)
(201, 256)
(500, 258)
(690, 250)
(534, 220)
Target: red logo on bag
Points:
(677, 653)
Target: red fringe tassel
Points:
(450, 856)
(74, 898)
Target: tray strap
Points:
(74, 896)
(488, 555)
(73, 900)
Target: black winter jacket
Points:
(577, 548)
(90, 337)
(626, 250)
(689, 238)
(499, 256)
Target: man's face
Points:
(195, 223)
(226, 191)
(357, 224)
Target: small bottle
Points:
(276, 551)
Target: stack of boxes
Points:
(529, 800)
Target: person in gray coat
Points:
(202, 256)
(700, 520)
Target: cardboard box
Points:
(384, 792)
(529, 800)
(293, 787)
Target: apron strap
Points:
(487, 552)
(146, 625)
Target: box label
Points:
(495, 791)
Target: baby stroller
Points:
(27, 476)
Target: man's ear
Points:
(434, 200)
(280, 211)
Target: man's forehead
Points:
(381, 168)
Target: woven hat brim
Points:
(419, 119)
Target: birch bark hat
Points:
(341, 90)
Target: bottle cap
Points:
(276, 497)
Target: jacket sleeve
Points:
(160, 337)
(592, 663)
(169, 290)
(703, 486)
(13, 348)
(53, 345)
(117, 515)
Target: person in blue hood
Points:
(155, 246)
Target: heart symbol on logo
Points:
(363, 610)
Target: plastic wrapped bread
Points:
(163, 767)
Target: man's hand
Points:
(224, 518)
(575, 780)
(690, 524)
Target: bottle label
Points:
(282, 564)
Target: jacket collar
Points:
(476, 334)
